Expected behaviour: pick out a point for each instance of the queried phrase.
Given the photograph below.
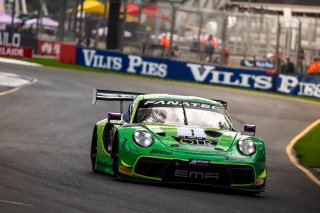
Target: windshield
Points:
(182, 113)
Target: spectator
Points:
(210, 45)
(226, 54)
(165, 41)
(194, 45)
(314, 67)
(175, 52)
(87, 42)
(288, 67)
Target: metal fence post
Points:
(277, 47)
(199, 32)
(122, 24)
(113, 25)
(140, 10)
(104, 18)
(299, 49)
(223, 36)
(62, 20)
(12, 18)
(315, 32)
(80, 23)
(75, 20)
(38, 18)
(173, 21)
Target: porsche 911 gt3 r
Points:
(177, 139)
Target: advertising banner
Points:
(67, 53)
(17, 40)
(165, 68)
(261, 64)
(299, 85)
(15, 52)
(7, 40)
(48, 48)
(197, 72)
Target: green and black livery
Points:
(177, 139)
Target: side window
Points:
(127, 115)
(133, 105)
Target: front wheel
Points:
(116, 166)
(94, 148)
(115, 156)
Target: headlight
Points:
(246, 146)
(142, 138)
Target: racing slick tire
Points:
(115, 156)
(93, 153)
(116, 166)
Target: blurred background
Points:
(244, 31)
(46, 128)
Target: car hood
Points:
(193, 138)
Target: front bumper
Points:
(228, 175)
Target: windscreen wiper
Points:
(184, 114)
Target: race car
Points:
(165, 138)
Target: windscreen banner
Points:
(197, 72)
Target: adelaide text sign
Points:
(15, 52)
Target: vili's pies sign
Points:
(197, 72)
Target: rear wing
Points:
(224, 103)
(111, 95)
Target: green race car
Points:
(177, 139)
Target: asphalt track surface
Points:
(45, 136)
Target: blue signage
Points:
(165, 68)
(299, 85)
(196, 72)
(261, 64)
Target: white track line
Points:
(15, 203)
(15, 61)
(13, 80)
(293, 158)
(17, 88)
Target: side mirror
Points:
(249, 128)
(114, 116)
